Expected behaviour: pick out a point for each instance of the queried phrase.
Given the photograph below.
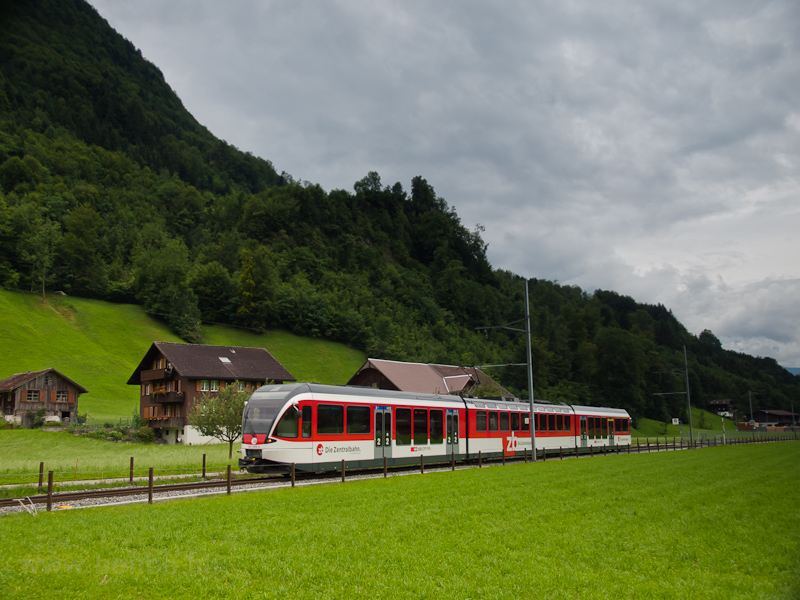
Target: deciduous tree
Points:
(219, 414)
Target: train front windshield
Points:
(261, 410)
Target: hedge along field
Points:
(689, 524)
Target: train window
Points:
(330, 419)
(504, 421)
(493, 421)
(590, 421)
(306, 421)
(358, 419)
(526, 422)
(625, 425)
(288, 425)
(567, 423)
(540, 422)
(403, 423)
(437, 427)
(514, 421)
(560, 422)
(551, 422)
(420, 426)
(603, 427)
(480, 420)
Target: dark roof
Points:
(198, 361)
(18, 379)
(721, 402)
(777, 413)
(427, 378)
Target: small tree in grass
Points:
(219, 415)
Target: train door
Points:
(383, 432)
(584, 433)
(611, 432)
(452, 431)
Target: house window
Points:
(62, 396)
(214, 385)
(204, 385)
(33, 396)
(242, 386)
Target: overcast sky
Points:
(650, 148)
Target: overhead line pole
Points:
(530, 370)
(529, 364)
(688, 396)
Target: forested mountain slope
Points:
(110, 189)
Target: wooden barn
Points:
(22, 396)
(173, 376)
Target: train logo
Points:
(319, 450)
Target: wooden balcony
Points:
(153, 375)
(165, 422)
(167, 397)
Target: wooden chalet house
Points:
(24, 394)
(172, 377)
(425, 378)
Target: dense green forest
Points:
(110, 189)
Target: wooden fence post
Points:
(150, 487)
(421, 463)
(131, 479)
(561, 452)
(293, 475)
(49, 491)
(480, 459)
(453, 461)
(41, 477)
(229, 479)
(204, 466)
(343, 471)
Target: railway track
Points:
(177, 490)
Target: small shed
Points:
(24, 394)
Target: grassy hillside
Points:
(99, 344)
(702, 420)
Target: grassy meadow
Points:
(671, 525)
(73, 457)
(99, 344)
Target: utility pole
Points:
(530, 370)
(529, 364)
(688, 397)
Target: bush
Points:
(38, 419)
(137, 421)
(145, 434)
(116, 435)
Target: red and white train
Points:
(317, 426)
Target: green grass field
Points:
(79, 458)
(713, 523)
(99, 344)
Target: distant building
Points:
(774, 418)
(724, 408)
(426, 378)
(172, 377)
(22, 396)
